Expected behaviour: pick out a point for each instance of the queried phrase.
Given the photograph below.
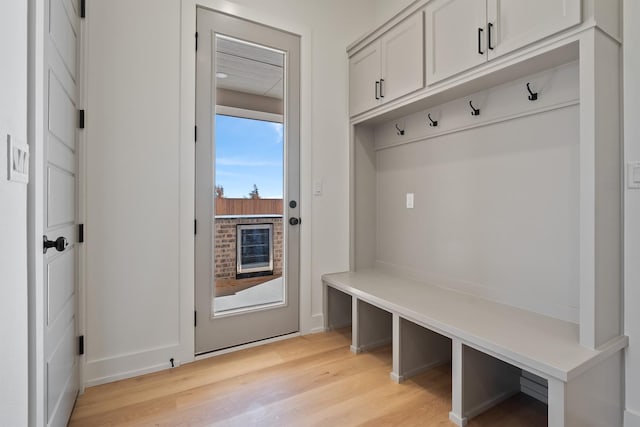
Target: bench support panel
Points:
(416, 349)
(371, 326)
(337, 309)
(480, 382)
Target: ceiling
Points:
(249, 68)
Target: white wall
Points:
(133, 220)
(13, 217)
(132, 198)
(632, 210)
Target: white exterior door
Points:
(56, 346)
(456, 36)
(241, 53)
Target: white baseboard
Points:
(370, 346)
(458, 420)
(416, 371)
(116, 368)
(312, 325)
(484, 406)
(631, 419)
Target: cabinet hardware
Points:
(377, 89)
(489, 36)
(480, 31)
(381, 88)
(434, 123)
(476, 111)
(532, 95)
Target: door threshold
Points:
(214, 353)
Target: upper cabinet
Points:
(461, 34)
(389, 67)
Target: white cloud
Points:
(279, 130)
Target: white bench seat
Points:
(539, 344)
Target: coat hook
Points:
(476, 111)
(433, 123)
(532, 95)
(400, 131)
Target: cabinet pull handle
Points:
(489, 36)
(381, 88)
(377, 89)
(480, 31)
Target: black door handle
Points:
(294, 221)
(480, 31)
(60, 244)
(489, 36)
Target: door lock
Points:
(295, 221)
(60, 244)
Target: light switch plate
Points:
(18, 161)
(317, 188)
(633, 172)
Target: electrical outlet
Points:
(633, 171)
(409, 200)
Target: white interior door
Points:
(59, 349)
(260, 67)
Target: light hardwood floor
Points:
(307, 381)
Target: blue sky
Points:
(249, 152)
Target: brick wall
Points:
(225, 244)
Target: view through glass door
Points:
(249, 206)
(247, 182)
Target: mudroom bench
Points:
(495, 350)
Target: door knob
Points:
(294, 221)
(60, 244)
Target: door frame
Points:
(309, 322)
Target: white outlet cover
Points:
(409, 200)
(18, 161)
(633, 171)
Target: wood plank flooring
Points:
(306, 381)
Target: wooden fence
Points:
(226, 206)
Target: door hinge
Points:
(83, 8)
(80, 233)
(80, 119)
(195, 319)
(195, 133)
(195, 226)
(81, 345)
(196, 41)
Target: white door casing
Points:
(221, 332)
(54, 100)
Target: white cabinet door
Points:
(516, 23)
(455, 37)
(364, 79)
(403, 58)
